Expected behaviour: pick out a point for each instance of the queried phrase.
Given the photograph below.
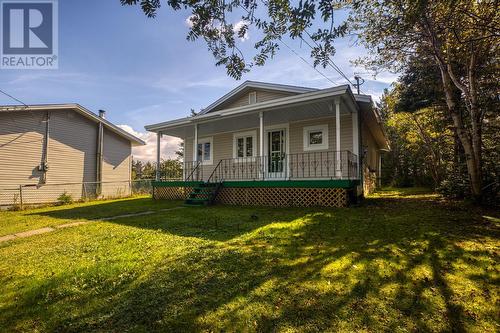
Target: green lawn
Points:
(402, 261)
(13, 222)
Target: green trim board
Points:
(330, 183)
(327, 183)
(176, 183)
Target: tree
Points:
(222, 23)
(460, 37)
(421, 143)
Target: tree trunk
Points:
(473, 165)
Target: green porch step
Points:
(204, 194)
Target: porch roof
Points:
(285, 109)
(304, 98)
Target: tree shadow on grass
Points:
(105, 209)
(315, 272)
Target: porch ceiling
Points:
(277, 115)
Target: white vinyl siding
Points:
(244, 98)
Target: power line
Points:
(304, 60)
(298, 55)
(330, 61)
(12, 97)
(25, 106)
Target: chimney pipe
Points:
(102, 114)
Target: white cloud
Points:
(168, 145)
(189, 20)
(238, 26)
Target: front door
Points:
(276, 153)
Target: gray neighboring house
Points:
(45, 145)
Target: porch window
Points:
(244, 144)
(316, 137)
(205, 150)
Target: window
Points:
(204, 150)
(244, 144)
(252, 97)
(316, 137)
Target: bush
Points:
(455, 186)
(65, 198)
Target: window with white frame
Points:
(316, 137)
(244, 144)
(252, 97)
(204, 150)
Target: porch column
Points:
(337, 138)
(261, 142)
(158, 138)
(195, 148)
(355, 138)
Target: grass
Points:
(402, 261)
(50, 216)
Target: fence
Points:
(32, 195)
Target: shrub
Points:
(65, 198)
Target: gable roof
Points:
(255, 85)
(79, 109)
(313, 94)
(363, 103)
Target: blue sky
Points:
(144, 70)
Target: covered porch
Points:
(314, 136)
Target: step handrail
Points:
(213, 172)
(198, 163)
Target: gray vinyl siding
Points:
(116, 166)
(21, 139)
(72, 152)
(72, 148)
(371, 158)
(262, 96)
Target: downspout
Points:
(361, 154)
(44, 167)
(100, 146)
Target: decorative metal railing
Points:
(308, 165)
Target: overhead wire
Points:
(330, 62)
(298, 55)
(24, 106)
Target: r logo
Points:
(29, 34)
(27, 28)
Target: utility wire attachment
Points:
(359, 82)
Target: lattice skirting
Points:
(283, 197)
(171, 193)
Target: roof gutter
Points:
(81, 110)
